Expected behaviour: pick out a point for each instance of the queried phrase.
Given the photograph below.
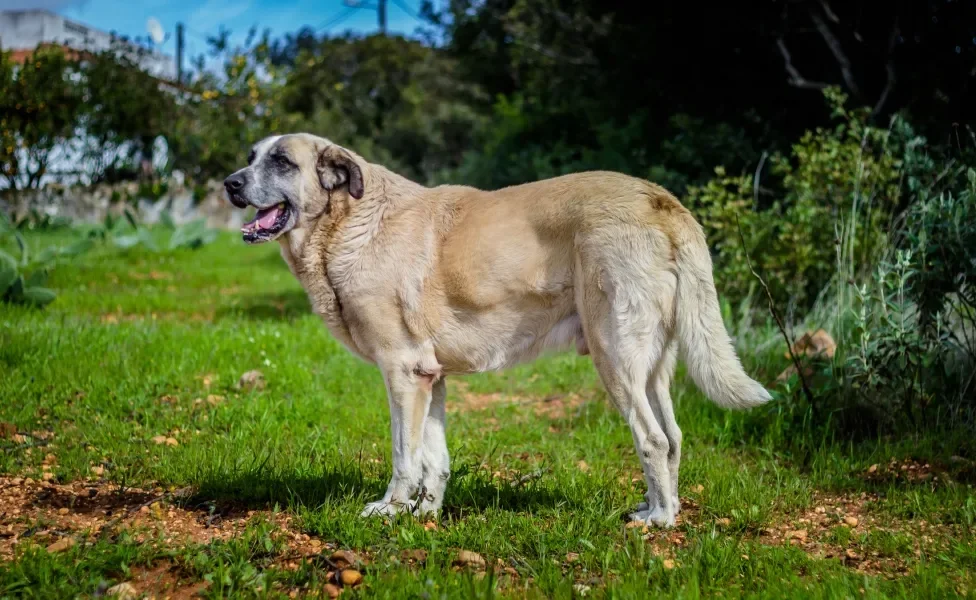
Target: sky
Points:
(204, 17)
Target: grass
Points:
(140, 347)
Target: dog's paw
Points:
(658, 516)
(384, 509)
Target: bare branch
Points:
(835, 48)
(777, 318)
(829, 12)
(796, 79)
(890, 74)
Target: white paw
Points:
(658, 516)
(384, 509)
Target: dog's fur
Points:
(429, 282)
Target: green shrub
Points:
(834, 196)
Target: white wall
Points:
(25, 30)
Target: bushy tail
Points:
(704, 342)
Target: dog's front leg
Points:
(409, 392)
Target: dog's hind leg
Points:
(625, 318)
(659, 397)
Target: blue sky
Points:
(204, 17)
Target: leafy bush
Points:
(914, 341)
(833, 198)
(22, 281)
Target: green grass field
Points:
(130, 455)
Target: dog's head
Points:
(291, 179)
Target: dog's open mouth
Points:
(267, 223)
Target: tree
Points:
(40, 108)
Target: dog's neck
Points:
(322, 255)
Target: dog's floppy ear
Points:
(335, 167)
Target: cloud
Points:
(216, 12)
(53, 5)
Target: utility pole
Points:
(379, 7)
(179, 54)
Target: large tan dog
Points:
(429, 282)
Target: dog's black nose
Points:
(234, 184)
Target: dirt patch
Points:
(46, 513)
(836, 527)
(461, 399)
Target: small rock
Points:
(252, 380)
(123, 591)
(171, 442)
(63, 511)
(668, 564)
(799, 534)
(572, 557)
(159, 439)
(345, 558)
(98, 471)
(144, 510)
(350, 577)
(61, 545)
(851, 521)
(872, 468)
(332, 590)
(820, 510)
(47, 476)
(466, 558)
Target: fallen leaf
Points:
(668, 563)
(581, 589)
(159, 439)
(430, 526)
(418, 555)
(637, 524)
(851, 555)
(47, 476)
(7, 430)
(332, 590)
(698, 488)
(123, 591)
(350, 577)
(723, 522)
(572, 557)
(466, 558)
(98, 470)
(171, 442)
(872, 468)
(818, 343)
(61, 545)
(851, 521)
(63, 511)
(252, 380)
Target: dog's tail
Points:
(704, 342)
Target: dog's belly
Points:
(495, 342)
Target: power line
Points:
(402, 6)
(336, 20)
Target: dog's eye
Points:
(282, 160)
(250, 157)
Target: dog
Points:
(430, 282)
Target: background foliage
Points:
(824, 145)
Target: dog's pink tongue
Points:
(266, 218)
(263, 220)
